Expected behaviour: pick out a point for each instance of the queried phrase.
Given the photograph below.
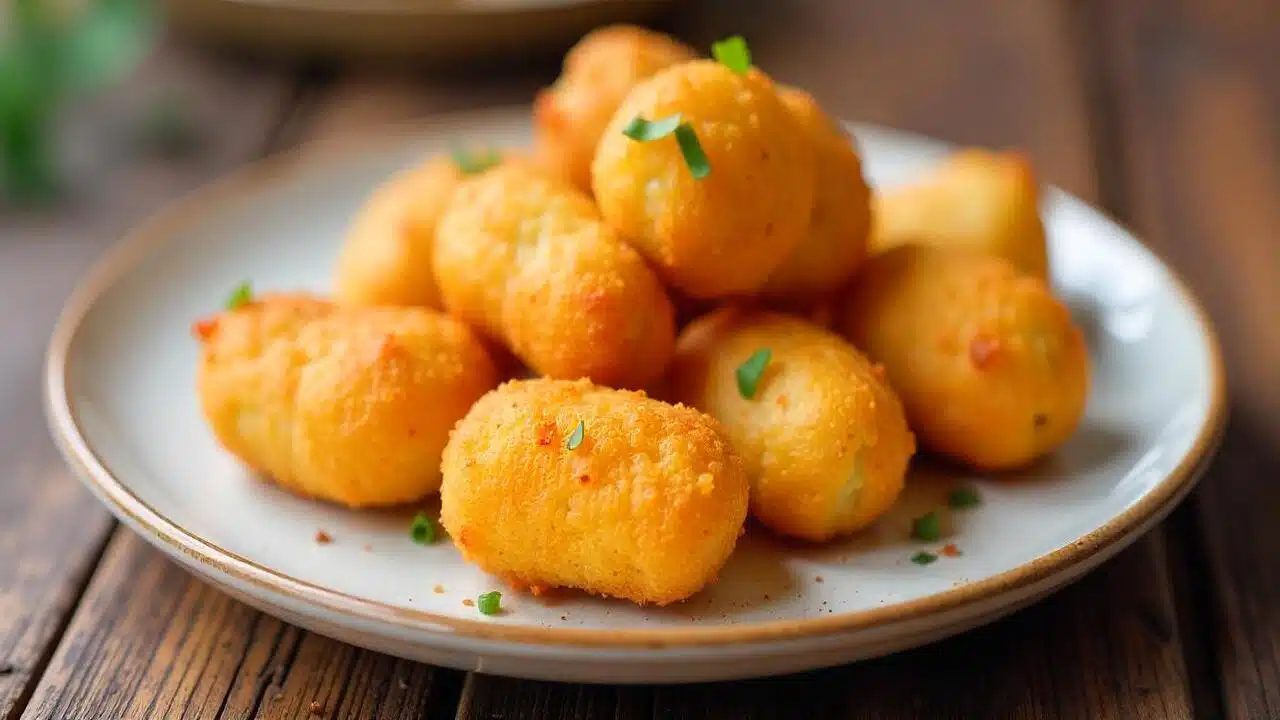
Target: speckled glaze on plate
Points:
(122, 406)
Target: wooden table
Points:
(1164, 112)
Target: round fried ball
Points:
(977, 199)
(350, 405)
(725, 233)
(645, 502)
(527, 260)
(570, 116)
(824, 438)
(387, 256)
(836, 243)
(990, 366)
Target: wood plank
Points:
(1196, 97)
(984, 72)
(51, 530)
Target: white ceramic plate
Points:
(122, 406)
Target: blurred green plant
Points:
(50, 50)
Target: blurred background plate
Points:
(426, 30)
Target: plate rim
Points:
(210, 558)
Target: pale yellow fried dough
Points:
(646, 507)
(824, 438)
(570, 116)
(976, 199)
(723, 234)
(990, 366)
(527, 260)
(836, 242)
(350, 405)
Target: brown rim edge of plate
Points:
(162, 532)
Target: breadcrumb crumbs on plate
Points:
(469, 602)
(818, 579)
(323, 537)
(439, 589)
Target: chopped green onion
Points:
(242, 295)
(694, 157)
(489, 603)
(471, 163)
(927, 527)
(733, 53)
(750, 372)
(964, 497)
(423, 531)
(923, 558)
(575, 438)
(642, 130)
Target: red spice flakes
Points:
(204, 329)
(439, 589)
(469, 602)
(546, 433)
(323, 537)
(950, 550)
(782, 401)
(983, 349)
(818, 579)
(584, 479)
(877, 371)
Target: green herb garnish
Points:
(489, 603)
(423, 530)
(927, 527)
(575, 438)
(733, 53)
(471, 163)
(750, 372)
(642, 130)
(242, 295)
(963, 497)
(923, 558)
(694, 157)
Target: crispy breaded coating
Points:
(387, 256)
(990, 366)
(836, 243)
(350, 405)
(646, 507)
(526, 259)
(977, 199)
(570, 116)
(824, 438)
(725, 233)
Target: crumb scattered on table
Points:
(323, 537)
(316, 707)
(818, 579)
(439, 589)
(469, 602)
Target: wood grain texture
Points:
(51, 529)
(1195, 93)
